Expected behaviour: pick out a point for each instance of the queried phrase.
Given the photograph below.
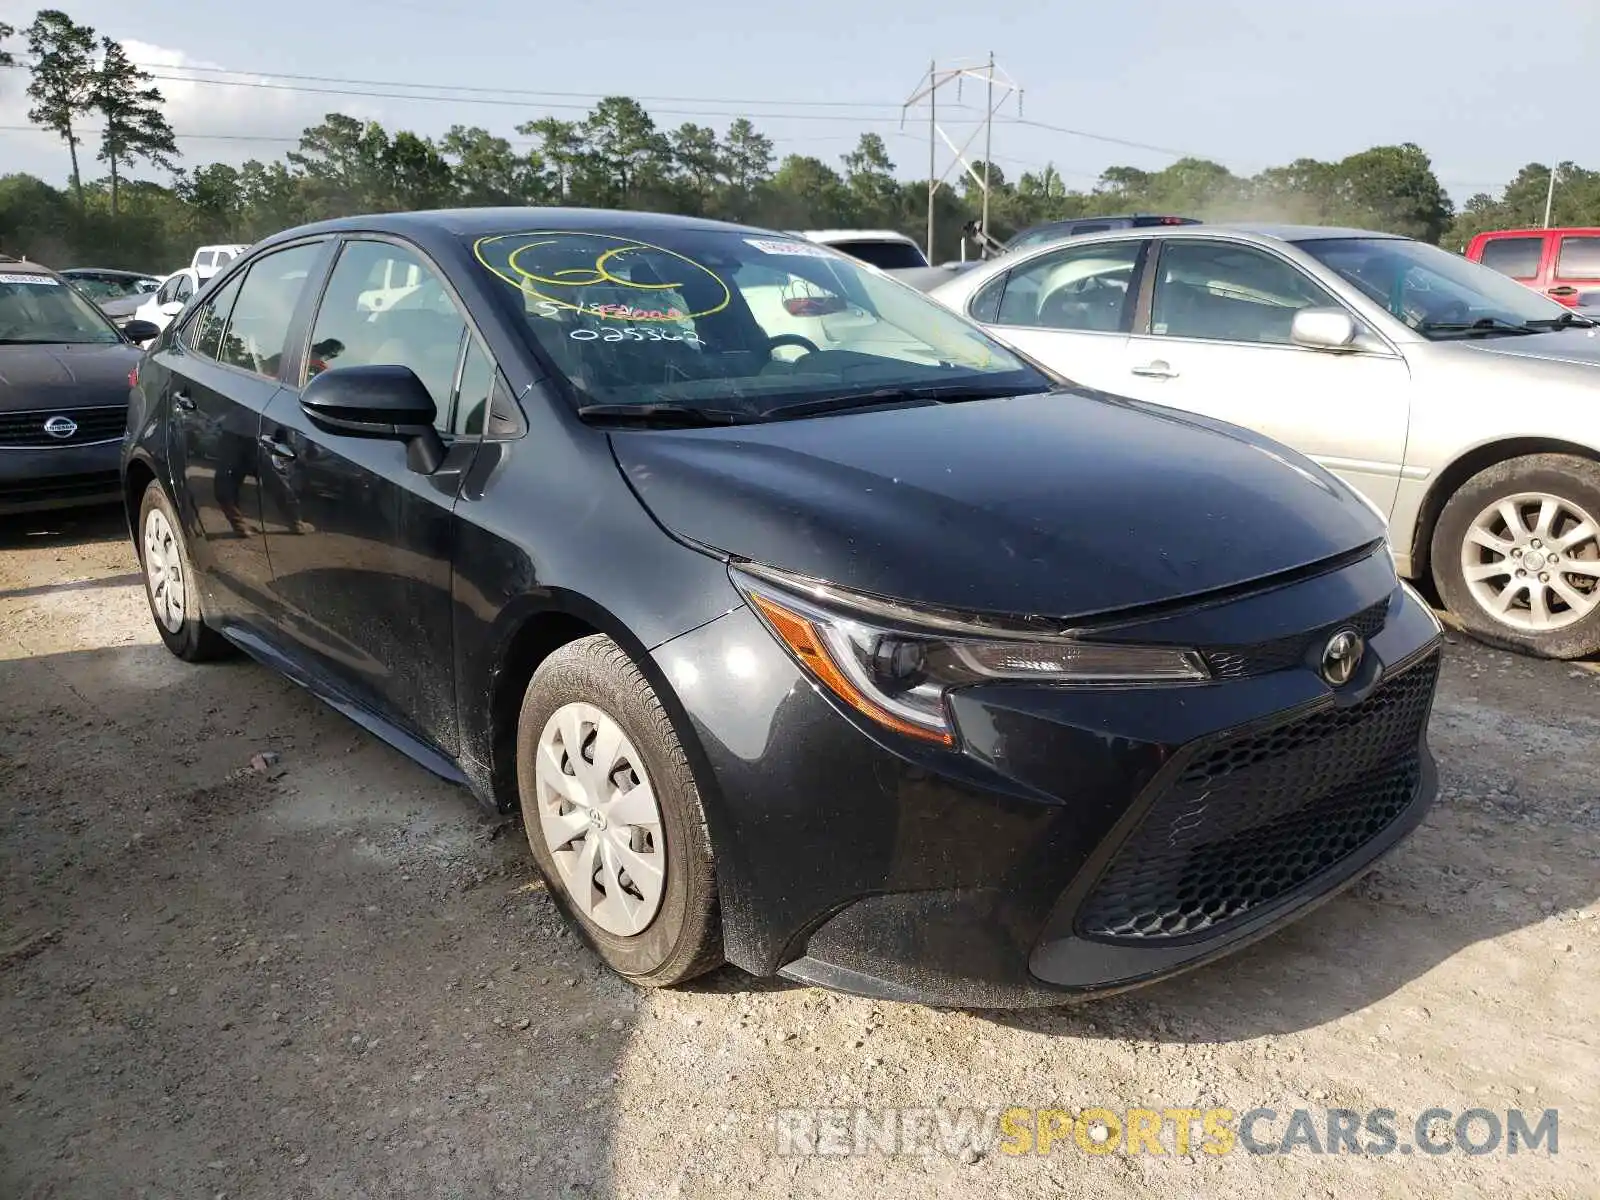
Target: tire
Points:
(572, 695)
(1559, 488)
(164, 560)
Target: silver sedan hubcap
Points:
(1532, 561)
(599, 819)
(163, 570)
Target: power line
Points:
(500, 98)
(503, 91)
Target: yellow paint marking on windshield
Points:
(600, 274)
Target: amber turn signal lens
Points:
(807, 645)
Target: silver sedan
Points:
(1465, 407)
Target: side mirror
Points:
(377, 401)
(141, 331)
(1323, 329)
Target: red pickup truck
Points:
(1564, 264)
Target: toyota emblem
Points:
(60, 427)
(1341, 656)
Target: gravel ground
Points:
(246, 950)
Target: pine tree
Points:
(63, 79)
(135, 126)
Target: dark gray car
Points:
(118, 293)
(64, 378)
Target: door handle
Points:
(183, 400)
(1563, 290)
(276, 448)
(1155, 370)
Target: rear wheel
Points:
(613, 816)
(170, 583)
(1516, 555)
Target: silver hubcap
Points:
(163, 570)
(1532, 561)
(599, 819)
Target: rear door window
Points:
(1579, 258)
(1517, 257)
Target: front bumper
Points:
(1081, 841)
(34, 480)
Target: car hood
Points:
(1060, 504)
(1580, 346)
(58, 376)
(123, 306)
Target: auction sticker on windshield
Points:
(36, 280)
(783, 246)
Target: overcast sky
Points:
(1483, 86)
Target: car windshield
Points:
(737, 323)
(40, 308)
(1439, 294)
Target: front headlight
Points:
(896, 663)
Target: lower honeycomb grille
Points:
(1257, 816)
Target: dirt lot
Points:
(335, 978)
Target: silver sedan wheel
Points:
(600, 820)
(163, 570)
(1532, 561)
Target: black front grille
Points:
(91, 485)
(1254, 817)
(1236, 662)
(93, 425)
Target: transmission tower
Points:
(994, 80)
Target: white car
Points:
(170, 299)
(1463, 406)
(883, 248)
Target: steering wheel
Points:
(791, 339)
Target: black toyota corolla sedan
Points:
(63, 394)
(808, 628)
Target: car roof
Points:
(1257, 230)
(1297, 233)
(1535, 231)
(478, 222)
(853, 235)
(113, 272)
(29, 268)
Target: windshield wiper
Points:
(941, 393)
(1481, 325)
(1562, 322)
(681, 415)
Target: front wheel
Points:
(613, 816)
(170, 583)
(1516, 555)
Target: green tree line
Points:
(618, 157)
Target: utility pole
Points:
(1550, 196)
(988, 146)
(935, 79)
(933, 149)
